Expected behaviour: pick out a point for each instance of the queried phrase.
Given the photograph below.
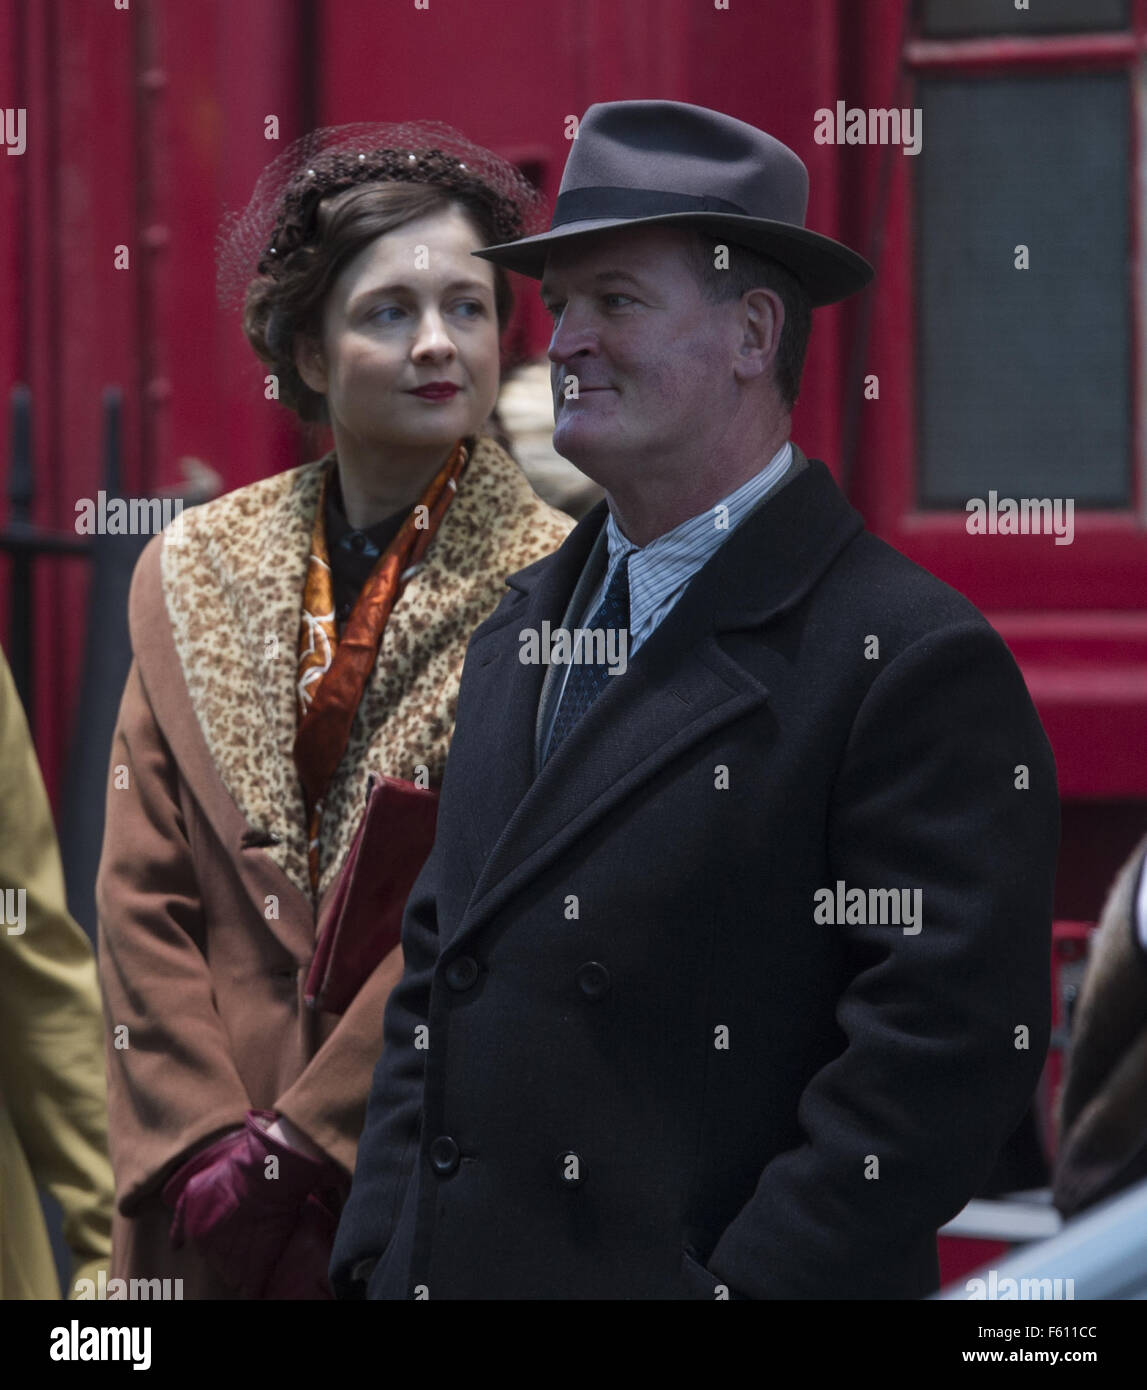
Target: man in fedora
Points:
(727, 976)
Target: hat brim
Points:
(828, 270)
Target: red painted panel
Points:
(228, 68)
(13, 239)
(961, 1256)
(83, 323)
(1043, 51)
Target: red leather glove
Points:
(234, 1213)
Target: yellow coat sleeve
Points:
(53, 1098)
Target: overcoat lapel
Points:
(243, 842)
(680, 687)
(507, 691)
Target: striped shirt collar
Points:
(659, 571)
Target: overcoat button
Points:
(571, 1169)
(443, 1155)
(462, 972)
(593, 980)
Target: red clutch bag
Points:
(364, 925)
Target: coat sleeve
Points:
(51, 1064)
(946, 1029)
(328, 1101)
(388, 1148)
(172, 1082)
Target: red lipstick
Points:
(437, 391)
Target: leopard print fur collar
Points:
(233, 587)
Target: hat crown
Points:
(673, 147)
(656, 163)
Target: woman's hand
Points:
(239, 1203)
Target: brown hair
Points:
(750, 270)
(278, 310)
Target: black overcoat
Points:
(626, 1059)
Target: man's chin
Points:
(585, 448)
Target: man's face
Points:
(651, 356)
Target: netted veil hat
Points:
(281, 215)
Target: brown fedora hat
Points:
(637, 163)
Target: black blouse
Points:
(353, 554)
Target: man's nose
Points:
(432, 342)
(572, 337)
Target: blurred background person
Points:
(1103, 1111)
(297, 649)
(526, 414)
(53, 1101)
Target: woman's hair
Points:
(279, 310)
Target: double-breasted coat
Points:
(207, 922)
(630, 1056)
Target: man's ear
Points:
(311, 364)
(762, 320)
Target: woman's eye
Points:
(617, 301)
(471, 308)
(386, 313)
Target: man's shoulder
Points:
(811, 525)
(881, 578)
(919, 622)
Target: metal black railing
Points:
(24, 542)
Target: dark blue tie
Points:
(587, 678)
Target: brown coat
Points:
(207, 926)
(1103, 1109)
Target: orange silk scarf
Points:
(333, 672)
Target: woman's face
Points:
(413, 310)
